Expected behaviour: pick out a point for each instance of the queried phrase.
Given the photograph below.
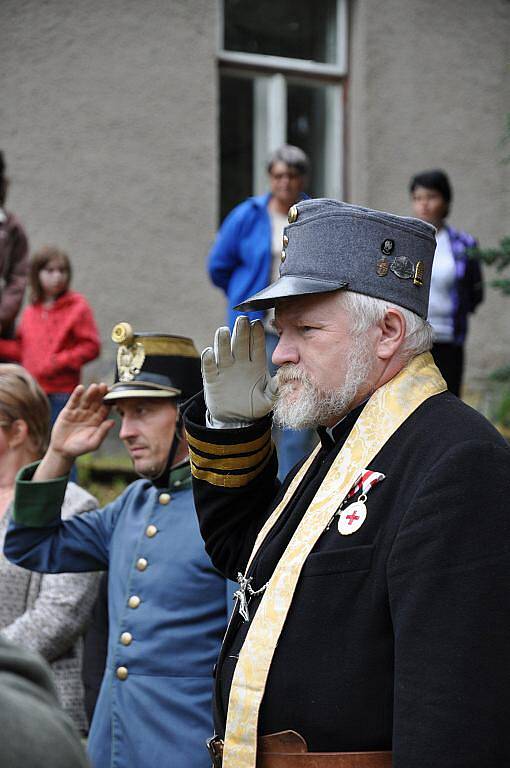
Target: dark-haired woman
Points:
(456, 286)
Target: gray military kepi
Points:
(330, 245)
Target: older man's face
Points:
(325, 370)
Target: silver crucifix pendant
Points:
(241, 595)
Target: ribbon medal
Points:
(352, 517)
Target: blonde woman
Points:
(45, 613)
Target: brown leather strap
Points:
(325, 760)
(289, 750)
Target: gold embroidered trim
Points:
(228, 450)
(240, 462)
(229, 481)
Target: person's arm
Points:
(61, 605)
(224, 255)
(17, 277)
(86, 345)
(234, 464)
(35, 730)
(448, 591)
(37, 538)
(474, 279)
(234, 485)
(81, 427)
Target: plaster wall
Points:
(429, 87)
(108, 117)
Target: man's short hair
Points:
(291, 156)
(365, 311)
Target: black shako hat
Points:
(330, 245)
(154, 365)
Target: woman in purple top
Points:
(456, 286)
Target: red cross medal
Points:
(352, 517)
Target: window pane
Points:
(236, 141)
(297, 29)
(313, 124)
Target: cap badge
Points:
(387, 246)
(418, 273)
(382, 267)
(293, 214)
(402, 267)
(130, 360)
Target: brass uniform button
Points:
(126, 638)
(122, 673)
(164, 498)
(142, 563)
(293, 214)
(285, 241)
(283, 256)
(151, 531)
(134, 601)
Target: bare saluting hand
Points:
(81, 427)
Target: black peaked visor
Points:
(287, 286)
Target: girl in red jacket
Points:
(57, 333)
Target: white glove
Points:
(237, 386)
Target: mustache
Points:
(289, 372)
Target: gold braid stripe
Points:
(229, 481)
(168, 346)
(228, 450)
(239, 462)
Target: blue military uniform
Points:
(168, 609)
(167, 604)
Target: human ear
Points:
(392, 331)
(18, 433)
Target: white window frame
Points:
(288, 65)
(271, 74)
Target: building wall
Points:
(429, 87)
(109, 124)
(108, 116)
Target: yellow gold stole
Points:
(383, 414)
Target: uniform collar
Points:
(178, 479)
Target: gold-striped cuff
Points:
(229, 466)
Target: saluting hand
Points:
(237, 386)
(81, 427)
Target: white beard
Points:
(314, 406)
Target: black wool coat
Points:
(398, 636)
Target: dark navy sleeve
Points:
(234, 485)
